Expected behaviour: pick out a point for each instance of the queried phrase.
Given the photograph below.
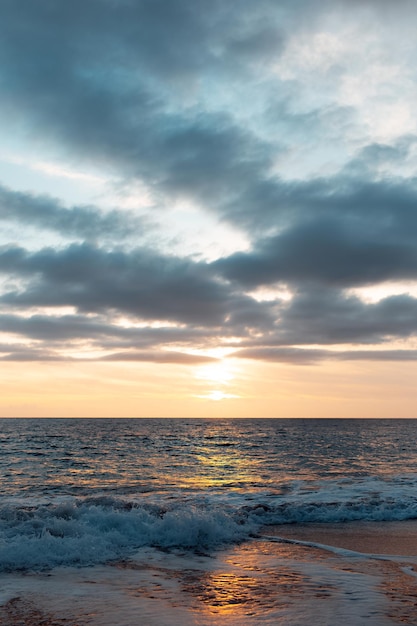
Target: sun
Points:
(221, 373)
(216, 378)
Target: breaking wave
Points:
(96, 530)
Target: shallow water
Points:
(97, 507)
(257, 582)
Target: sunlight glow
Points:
(49, 311)
(217, 395)
(270, 294)
(126, 322)
(375, 293)
(221, 372)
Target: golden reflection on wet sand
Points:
(241, 589)
(257, 582)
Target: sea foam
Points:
(100, 529)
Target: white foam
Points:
(85, 534)
(36, 535)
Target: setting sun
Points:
(221, 372)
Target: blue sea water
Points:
(89, 491)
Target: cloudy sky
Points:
(208, 208)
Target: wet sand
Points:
(393, 538)
(263, 582)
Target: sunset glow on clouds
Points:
(208, 207)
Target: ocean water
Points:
(78, 495)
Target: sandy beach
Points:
(391, 538)
(294, 582)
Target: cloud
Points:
(100, 337)
(248, 111)
(25, 354)
(103, 285)
(141, 47)
(129, 86)
(309, 356)
(342, 232)
(140, 283)
(110, 81)
(180, 358)
(48, 214)
(104, 332)
(330, 317)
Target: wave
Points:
(87, 533)
(84, 532)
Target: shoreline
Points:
(264, 580)
(393, 538)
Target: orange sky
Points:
(258, 390)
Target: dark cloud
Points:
(43, 337)
(257, 43)
(34, 353)
(140, 283)
(309, 356)
(324, 251)
(144, 286)
(103, 332)
(48, 214)
(54, 328)
(167, 40)
(342, 232)
(379, 155)
(24, 354)
(294, 356)
(328, 316)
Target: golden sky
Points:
(255, 389)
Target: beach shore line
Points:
(286, 576)
(368, 537)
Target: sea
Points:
(166, 522)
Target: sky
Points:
(208, 208)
